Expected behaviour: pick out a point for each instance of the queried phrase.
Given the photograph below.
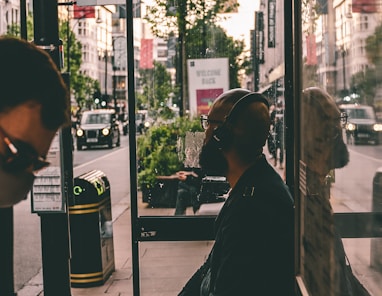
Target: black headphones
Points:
(222, 135)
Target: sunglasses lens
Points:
(26, 157)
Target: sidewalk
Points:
(164, 266)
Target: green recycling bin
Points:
(91, 230)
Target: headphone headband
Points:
(222, 135)
(246, 99)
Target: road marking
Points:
(99, 158)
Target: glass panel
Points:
(185, 61)
(340, 161)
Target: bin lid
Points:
(91, 187)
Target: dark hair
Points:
(27, 73)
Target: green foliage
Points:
(82, 86)
(374, 47)
(15, 30)
(196, 20)
(363, 83)
(158, 150)
(166, 17)
(156, 84)
(215, 43)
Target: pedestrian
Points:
(189, 185)
(277, 132)
(34, 104)
(253, 253)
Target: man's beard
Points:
(212, 160)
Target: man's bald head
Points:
(248, 121)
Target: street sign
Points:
(47, 192)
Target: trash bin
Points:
(376, 243)
(91, 229)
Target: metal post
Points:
(23, 19)
(54, 227)
(114, 90)
(133, 147)
(343, 54)
(6, 252)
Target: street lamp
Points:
(343, 54)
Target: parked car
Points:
(98, 127)
(362, 124)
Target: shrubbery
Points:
(160, 150)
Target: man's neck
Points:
(236, 168)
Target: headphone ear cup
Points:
(222, 137)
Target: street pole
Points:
(6, 252)
(55, 241)
(114, 90)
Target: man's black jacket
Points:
(253, 252)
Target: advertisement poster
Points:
(207, 79)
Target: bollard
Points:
(91, 231)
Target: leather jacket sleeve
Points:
(192, 287)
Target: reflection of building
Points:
(339, 33)
(9, 14)
(268, 49)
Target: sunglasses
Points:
(21, 156)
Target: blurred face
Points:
(24, 142)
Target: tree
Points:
(365, 83)
(374, 52)
(217, 44)
(82, 86)
(181, 19)
(15, 30)
(167, 17)
(156, 84)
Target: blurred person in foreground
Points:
(253, 253)
(34, 104)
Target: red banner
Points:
(147, 58)
(80, 12)
(311, 50)
(364, 6)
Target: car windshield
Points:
(95, 118)
(364, 113)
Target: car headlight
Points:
(377, 127)
(80, 133)
(105, 131)
(147, 124)
(350, 127)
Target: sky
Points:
(238, 24)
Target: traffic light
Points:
(97, 97)
(104, 101)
